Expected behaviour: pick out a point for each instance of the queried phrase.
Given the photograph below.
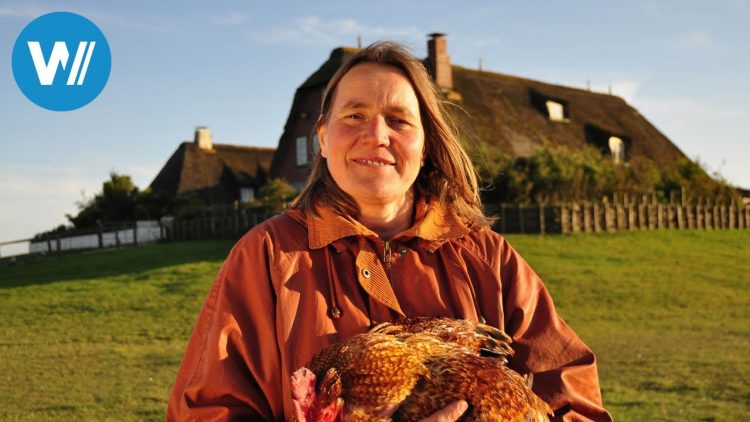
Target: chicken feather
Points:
(416, 367)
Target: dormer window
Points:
(617, 149)
(555, 111)
(612, 144)
(554, 108)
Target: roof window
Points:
(555, 109)
(617, 149)
(610, 143)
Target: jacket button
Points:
(365, 273)
(334, 312)
(403, 251)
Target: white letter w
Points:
(46, 71)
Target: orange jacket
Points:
(274, 305)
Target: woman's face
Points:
(373, 140)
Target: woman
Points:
(389, 225)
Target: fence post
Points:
(716, 216)
(135, 233)
(587, 217)
(671, 216)
(631, 216)
(57, 240)
(520, 219)
(659, 216)
(100, 234)
(615, 213)
(605, 205)
(541, 218)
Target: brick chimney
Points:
(438, 61)
(203, 138)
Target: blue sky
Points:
(234, 66)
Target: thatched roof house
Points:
(517, 115)
(217, 173)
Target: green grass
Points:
(99, 335)
(667, 313)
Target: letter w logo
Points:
(46, 71)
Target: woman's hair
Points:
(447, 176)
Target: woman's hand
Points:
(449, 413)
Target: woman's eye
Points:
(399, 122)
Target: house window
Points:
(555, 111)
(617, 149)
(302, 151)
(247, 194)
(316, 145)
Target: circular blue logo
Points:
(61, 61)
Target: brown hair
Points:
(447, 176)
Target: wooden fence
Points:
(567, 217)
(605, 216)
(224, 226)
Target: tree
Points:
(119, 200)
(274, 196)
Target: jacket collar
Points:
(434, 222)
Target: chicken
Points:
(416, 367)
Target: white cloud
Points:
(22, 12)
(687, 111)
(699, 40)
(36, 198)
(229, 19)
(312, 30)
(626, 89)
(101, 18)
(714, 134)
(619, 84)
(142, 175)
(142, 24)
(651, 8)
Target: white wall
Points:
(148, 232)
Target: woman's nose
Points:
(378, 131)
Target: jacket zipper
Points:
(387, 255)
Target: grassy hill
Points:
(99, 335)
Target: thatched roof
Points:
(510, 112)
(217, 174)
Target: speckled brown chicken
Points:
(416, 367)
